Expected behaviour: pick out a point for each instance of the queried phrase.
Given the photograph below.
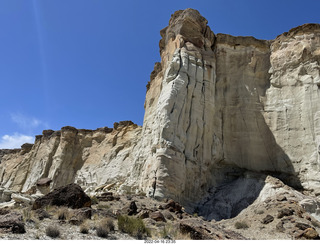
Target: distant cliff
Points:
(216, 106)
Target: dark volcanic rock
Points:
(173, 206)
(157, 216)
(133, 208)
(12, 221)
(70, 195)
(268, 219)
(42, 214)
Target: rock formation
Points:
(222, 105)
(218, 110)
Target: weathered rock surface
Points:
(71, 196)
(221, 113)
(12, 221)
(89, 158)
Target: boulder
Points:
(157, 216)
(42, 214)
(143, 214)
(83, 213)
(22, 198)
(302, 226)
(268, 219)
(132, 208)
(44, 182)
(12, 221)
(173, 206)
(285, 212)
(71, 196)
(311, 234)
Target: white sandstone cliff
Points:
(217, 107)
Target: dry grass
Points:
(104, 227)
(63, 213)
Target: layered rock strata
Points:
(87, 157)
(220, 105)
(216, 108)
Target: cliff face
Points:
(90, 158)
(217, 106)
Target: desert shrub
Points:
(110, 224)
(102, 230)
(63, 214)
(26, 214)
(94, 200)
(52, 231)
(84, 229)
(241, 225)
(133, 226)
(259, 211)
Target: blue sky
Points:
(86, 63)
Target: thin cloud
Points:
(15, 141)
(27, 123)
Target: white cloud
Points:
(28, 123)
(14, 141)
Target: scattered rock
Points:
(143, 214)
(18, 198)
(157, 216)
(302, 226)
(311, 234)
(199, 231)
(173, 206)
(167, 215)
(42, 214)
(12, 221)
(284, 212)
(70, 195)
(268, 219)
(281, 198)
(280, 227)
(83, 213)
(74, 221)
(44, 182)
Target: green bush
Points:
(133, 226)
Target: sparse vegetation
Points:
(104, 227)
(26, 214)
(133, 226)
(63, 213)
(103, 206)
(94, 200)
(84, 228)
(260, 211)
(241, 225)
(52, 231)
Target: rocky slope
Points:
(219, 110)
